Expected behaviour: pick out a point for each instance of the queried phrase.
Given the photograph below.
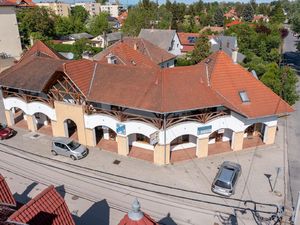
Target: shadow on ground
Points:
(97, 214)
(167, 220)
(24, 198)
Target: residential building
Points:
(233, 23)
(48, 207)
(10, 43)
(59, 8)
(231, 14)
(226, 43)
(165, 39)
(25, 4)
(136, 51)
(93, 8)
(122, 17)
(106, 39)
(159, 115)
(260, 17)
(112, 9)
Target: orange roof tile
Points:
(6, 196)
(233, 23)
(228, 79)
(48, 207)
(146, 220)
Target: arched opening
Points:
(43, 123)
(140, 147)
(220, 141)
(183, 148)
(71, 129)
(254, 135)
(20, 119)
(105, 138)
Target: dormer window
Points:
(244, 96)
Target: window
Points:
(244, 96)
(142, 138)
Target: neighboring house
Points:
(71, 38)
(59, 8)
(213, 29)
(143, 111)
(10, 43)
(122, 17)
(48, 207)
(226, 43)
(165, 39)
(231, 14)
(106, 39)
(139, 51)
(25, 4)
(260, 17)
(113, 22)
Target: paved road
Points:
(293, 122)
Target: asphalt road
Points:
(292, 57)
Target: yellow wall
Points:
(31, 123)
(123, 147)
(66, 111)
(9, 118)
(271, 133)
(90, 137)
(159, 154)
(237, 141)
(202, 147)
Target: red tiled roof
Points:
(48, 207)
(41, 49)
(6, 196)
(146, 220)
(122, 17)
(7, 3)
(233, 23)
(187, 48)
(187, 45)
(228, 79)
(125, 55)
(153, 52)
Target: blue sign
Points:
(204, 130)
(121, 129)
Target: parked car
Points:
(6, 132)
(68, 147)
(226, 178)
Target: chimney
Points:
(135, 46)
(234, 55)
(207, 74)
(111, 59)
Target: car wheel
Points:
(73, 157)
(53, 152)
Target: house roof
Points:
(160, 38)
(233, 23)
(7, 3)
(125, 55)
(153, 52)
(48, 207)
(77, 36)
(151, 88)
(6, 196)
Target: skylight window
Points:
(244, 96)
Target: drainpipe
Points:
(165, 139)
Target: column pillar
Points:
(90, 137)
(106, 133)
(237, 141)
(123, 147)
(269, 135)
(160, 153)
(10, 120)
(31, 123)
(202, 147)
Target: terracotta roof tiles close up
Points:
(6, 196)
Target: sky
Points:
(131, 2)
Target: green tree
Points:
(296, 22)
(248, 13)
(201, 50)
(78, 12)
(219, 17)
(289, 81)
(63, 26)
(98, 24)
(35, 20)
(271, 78)
(102, 1)
(277, 15)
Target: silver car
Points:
(68, 147)
(226, 178)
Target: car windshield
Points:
(73, 145)
(223, 184)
